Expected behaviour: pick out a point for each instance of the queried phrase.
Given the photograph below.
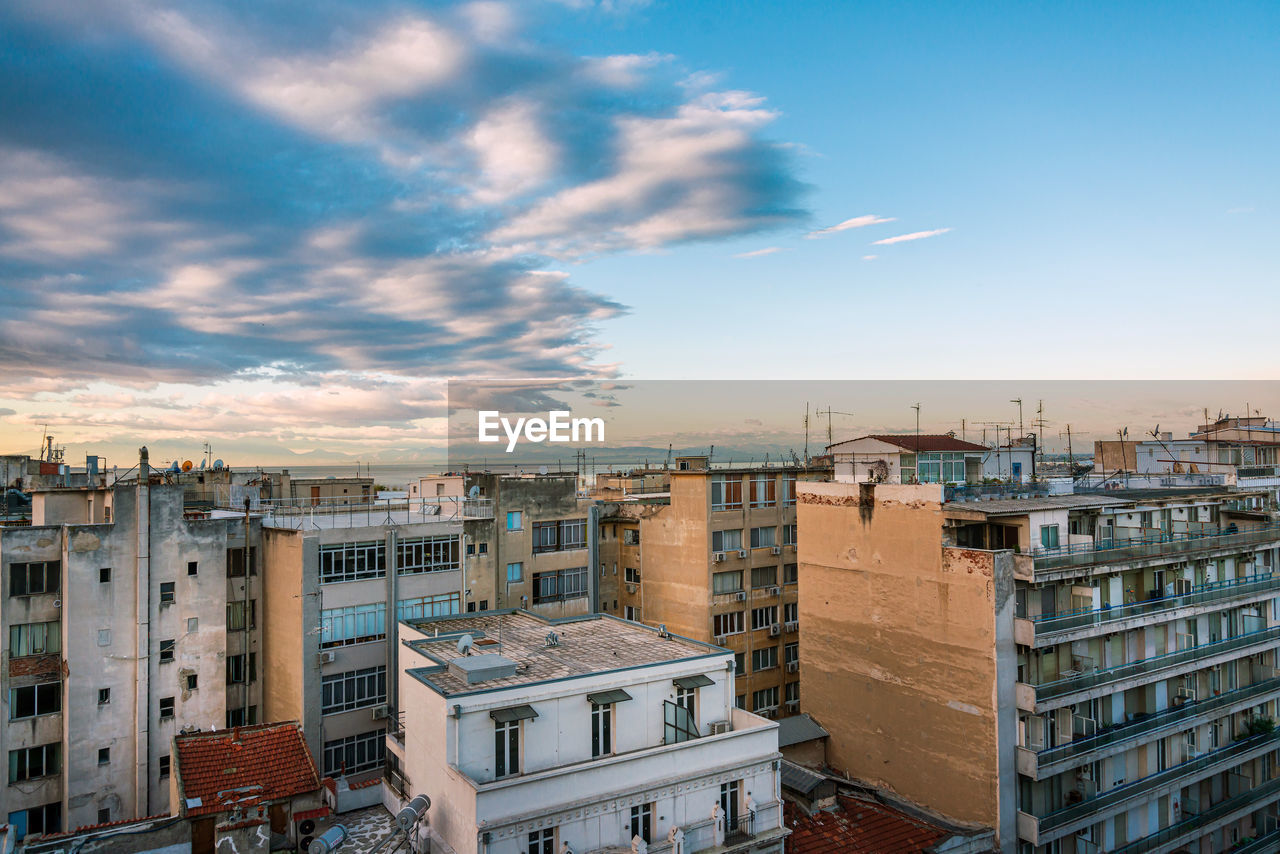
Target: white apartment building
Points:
(586, 734)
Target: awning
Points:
(515, 713)
(607, 698)
(690, 682)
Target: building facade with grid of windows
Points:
(580, 733)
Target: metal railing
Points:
(740, 827)
(1260, 845)
(1158, 545)
(1209, 762)
(1191, 823)
(357, 511)
(1061, 687)
(988, 491)
(1212, 592)
(1152, 723)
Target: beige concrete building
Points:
(125, 621)
(1084, 673)
(715, 560)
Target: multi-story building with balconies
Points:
(1084, 672)
(585, 734)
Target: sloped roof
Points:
(926, 442)
(859, 827)
(794, 729)
(244, 766)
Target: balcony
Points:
(1072, 625)
(1194, 826)
(1048, 695)
(1155, 547)
(739, 828)
(360, 512)
(1055, 760)
(1059, 823)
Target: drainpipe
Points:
(142, 641)
(393, 618)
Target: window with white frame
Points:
(355, 689)
(543, 841)
(763, 538)
(726, 492)
(631, 536)
(764, 576)
(765, 698)
(353, 624)
(355, 753)
(515, 520)
(727, 624)
(559, 584)
(421, 607)
(726, 541)
(765, 658)
(763, 618)
(791, 612)
(789, 534)
(506, 742)
(427, 554)
(1049, 536)
(353, 561)
(633, 575)
(788, 490)
(515, 572)
(763, 490)
(726, 582)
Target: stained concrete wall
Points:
(899, 662)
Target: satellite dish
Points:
(553, 639)
(542, 469)
(474, 492)
(217, 464)
(465, 643)
(202, 462)
(173, 466)
(186, 465)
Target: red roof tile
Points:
(859, 827)
(928, 442)
(240, 767)
(318, 812)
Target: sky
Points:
(279, 227)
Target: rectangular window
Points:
(764, 576)
(167, 592)
(355, 753)
(766, 698)
(166, 707)
(235, 615)
(763, 618)
(559, 585)
(164, 767)
(193, 567)
(193, 624)
(739, 664)
(104, 755)
(631, 536)
(104, 696)
(543, 841)
(235, 562)
(726, 582)
(515, 520)
(506, 748)
(730, 794)
(35, 639)
(28, 579)
(440, 605)
(193, 682)
(353, 624)
(353, 561)
(727, 624)
(31, 763)
(416, 555)
(792, 653)
(726, 492)
(104, 575)
(763, 490)
(515, 572)
(788, 490)
(633, 575)
(236, 669)
(31, 701)
(789, 535)
(573, 534)
(355, 689)
(763, 538)
(562, 535)
(790, 573)
(764, 659)
(601, 730)
(546, 537)
(1049, 536)
(726, 541)
(166, 650)
(791, 612)
(642, 821)
(793, 692)
(37, 820)
(631, 613)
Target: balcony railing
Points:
(1152, 723)
(1209, 762)
(1159, 545)
(356, 511)
(740, 828)
(1205, 593)
(1191, 823)
(1072, 684)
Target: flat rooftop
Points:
(584, 646)
(1093, 500)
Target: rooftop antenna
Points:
(1018, 401)
(667, 464)
(916, 407)
(806, 430)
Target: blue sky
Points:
(278, 229)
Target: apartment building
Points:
(534, 551)
(587, 734)
(338, 579)
(1085, 672)
(126, 621)
(716, 561)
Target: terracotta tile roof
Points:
(236, 768)
(859, 827)
(928, 442)
(318, 812)
(89, 828)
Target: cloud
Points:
(870, 257)
(756, 253)
(856, 222)
(915, 235)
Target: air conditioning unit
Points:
(718, 727)
(742, 596)
(776, 550)
(770, 712)
(720, 640)
(718, 557)
(327, 656)
(775, 591)
(742, 552)
(631, 588)
(793, 667)
(793, 626)
(793, 704)
(381, 712)
(775, 630)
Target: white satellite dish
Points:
(465, 643)
(542, 469)
(474, 492)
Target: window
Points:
(792, 653)
(506, 748)
(484, 548)
(440, 605)
(31, 763)
(28, 579)
(104, 575)
(763, 488)
(543, 841)
(166, 651)
(426, 554)
(31, 701)
(104, 696)
(237, 717)
(739, 663)
(37, 820)
(601, 729)
(515, 520)
(353, 624)
(1049, 536)
(740, 701)
(727, 624)
(791, 612)
(166, 707)
(236, 669)
(726, 492)
(515, 572)
(353, 561)
(763, 618)
(726, 541)
(763, 538)
(766, 698)
(642, 821)
(789, 535)
(726, 582)
(560, 584)
(563, 535)
(790, 573)
(193, 567)
(193, 682)
(104, 755)
(35, 639)
(631, 536)
(235, 562)
(788, 490)
(631, 613)
(355, 689)
(633, 575)
(235, 615)
(764, 576)
(471, 549)
(104, 637)
(166, 592)
(355, 753)
(164, 766)
(907, 462)
(193, 624)
(793, 692)
(730, 794)
(104, 815)
(764, 659)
